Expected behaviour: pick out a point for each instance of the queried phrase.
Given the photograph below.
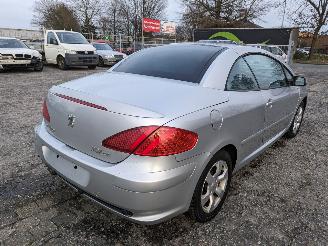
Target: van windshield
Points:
(71, 38)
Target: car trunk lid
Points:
(85, 112)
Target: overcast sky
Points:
(18, 14)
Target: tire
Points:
(297, 121)
(200, 207)
(92, 67)
(38, 67)
(101, 62)
(61, 63)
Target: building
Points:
(23, 34)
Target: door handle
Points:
(269, 103)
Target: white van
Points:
(67, 48)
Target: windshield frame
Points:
(63, 41)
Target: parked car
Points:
(68, 49)
(15, 54)
(162, 132)
(217, 41)
(107, 56)
(303, 51)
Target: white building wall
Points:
(21, 33)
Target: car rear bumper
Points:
(146, 198)
(81, 60)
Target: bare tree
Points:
(54, 15)
(129, 13)
(222, 13)
(311, 15)
(88, 11)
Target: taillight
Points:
(45, 111)
(152, 141)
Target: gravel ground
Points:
(281, 198)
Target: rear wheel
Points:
(61, 63)
(297, 121)
(212, 188)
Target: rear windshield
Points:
(179, 62)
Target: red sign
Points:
(150, 25)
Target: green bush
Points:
(300, 56)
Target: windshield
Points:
(12, 43)
(36, 46)
(71, 38)
(102, 47)
(180, 62)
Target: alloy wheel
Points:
(214, 186)
(298, 119)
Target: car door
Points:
(294, 93)
(276, 91)
(247, 105)
(51, 48)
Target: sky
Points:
(19, 13)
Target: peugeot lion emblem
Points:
(71, 120)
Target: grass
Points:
(318, 59)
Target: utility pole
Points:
(142, 24)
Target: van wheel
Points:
(212, 188)
(297, 121)
(61, 63)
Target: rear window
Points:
(179, 62)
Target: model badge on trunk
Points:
(71, 120)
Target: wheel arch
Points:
(304, 100)
(59, 55)
(232, 150)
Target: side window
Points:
(51, 38)
(241, 77)
(268, 72)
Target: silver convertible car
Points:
(162, 132)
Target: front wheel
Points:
(38, 67)
(61, 63)
(212, 188)
(297, 121)
(101, 62)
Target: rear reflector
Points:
(45, 111)
(76, 100)
(152, 141)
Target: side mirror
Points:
(299, 81)
(32, 47)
